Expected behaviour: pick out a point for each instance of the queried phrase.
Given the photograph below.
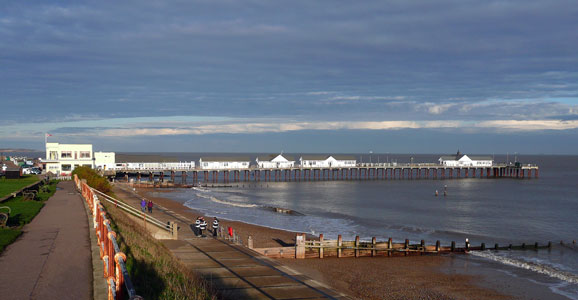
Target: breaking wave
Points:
(216, 200)
(532, 266)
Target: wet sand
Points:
(416, 277)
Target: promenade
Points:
(52, 259)
(236, 272)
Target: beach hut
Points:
(275, 161)
(11, 170)
(224, 163)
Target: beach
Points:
(417, 277)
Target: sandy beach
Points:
(418, 277)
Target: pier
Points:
(362, 171)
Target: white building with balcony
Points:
(61, 159)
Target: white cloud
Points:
(529, 125)
(368, 98)
(263, 127)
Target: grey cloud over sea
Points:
(291, 63)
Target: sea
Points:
(504, 211)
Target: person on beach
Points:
(203, 225)
(197, 226)
(215, 226)
(150, 206)
(143, 205)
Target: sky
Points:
(294, 76)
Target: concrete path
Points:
(52, 259)
(235, 271)
(240, 273)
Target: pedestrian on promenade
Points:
(150, 206)
(143, 205)
(197, 226)
(203, 225)
(215, 226)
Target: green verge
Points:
(154, 271)
(8, 186)
(22, 212)
(7, 236)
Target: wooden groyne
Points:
(339, 248)
(360, 172)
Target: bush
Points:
(93, 179)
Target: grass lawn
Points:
(22, 213)
(7, 236)
(8, 186)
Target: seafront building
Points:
(462, 160)
(62, 159)
(105, 160)
(327, 161)
(224, 163)
(275, 161)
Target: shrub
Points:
(93, 179)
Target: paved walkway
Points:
(236, 271)
(52, 259)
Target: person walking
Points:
(215, 226)
(143, 205)
(197, 226)
(203, 225)
(150, 206)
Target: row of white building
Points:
(274, 161)
(62, 159)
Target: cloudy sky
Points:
(300, 76)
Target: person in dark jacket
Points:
(197, 226)
(215, 226)
(150, 206)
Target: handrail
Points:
(115, 270)
(133, 211)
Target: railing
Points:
(113, 259)
(169, 227)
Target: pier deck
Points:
(362, 171)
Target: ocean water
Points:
(491, 210)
